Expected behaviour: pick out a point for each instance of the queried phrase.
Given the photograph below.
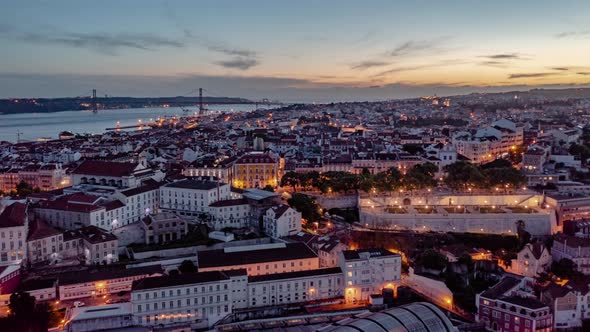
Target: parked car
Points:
(79, 304)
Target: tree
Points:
(580, 150)
(26, 315)
(187, 266)
(24, 189)
(565, 268)
(420, 176)
(498, 163)
(462, 174)
(309, 208)
(504, 176)
(413, 149)
(290, 179)
(432, 259)
(270, 188)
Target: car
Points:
(109, 301)
(122, 301)
(79, 304)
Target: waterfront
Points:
(34, 125)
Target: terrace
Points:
(425, 209)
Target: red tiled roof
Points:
(39, 229)
(14, 215)
(105, 168)
(63, 203)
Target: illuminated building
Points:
(255, 170)
(368, 271)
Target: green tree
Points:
(504, 176)
(432, 259)
(309, 208)
(420, 176)
(290, 179)
(580, 150)
(270, 188)
(462, 174)
(26, 315)
(24, 189)
(413, 149)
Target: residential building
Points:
(235, 213)
(368, 271)
(255, 170)
(260, 259)
(509, 306)
(192, 197)
(96, 283)
(202, 297)
(280, 221)
(295, 287)
(163, 227)
(531, 261)
(14, 227)
(113, 174)
(573, 248)
(44, 243)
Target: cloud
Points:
(286, 89)
(567, 34)
(413, 47)
(561, 68)
(530, 75)
(238, 63)
(583, 73)
(100, 42)
(505, 56)
(493, 63)
(363, 65)
(243, 59)
(445, 63)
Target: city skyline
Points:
(302, 51)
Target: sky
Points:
(301, 50)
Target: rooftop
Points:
(294, 275)
(183, 279)
(194, 184)
(221, 257)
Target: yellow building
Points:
(255, 170)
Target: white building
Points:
(113, 174)
(14, 227)
(234, 213)
(139, 202)
(93, 244)
(203, 297)
(99, 283)
(573, 248)
(295, 287)
(368, 271)
(192, 197)
(532, 260)
(281, 220)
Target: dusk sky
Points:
(291, 50)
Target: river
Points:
(35, 125)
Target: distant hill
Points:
(49, 105)
(545, 93)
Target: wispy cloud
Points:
(501, 60)
(400, 69)
(561, 68)
(505, 56)
(568, 34)
(104, 43)
(584, 73)
(413, 47)
(531, 75)
(238, 63)
(363, 65)
(243, 59)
